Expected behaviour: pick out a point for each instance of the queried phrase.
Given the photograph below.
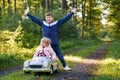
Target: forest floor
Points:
(82, 71)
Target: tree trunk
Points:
(15, 6)
(90, 12)
(43, 5)
(74, 3)
(83, 18)
(47, 5)
(3, 4)
(74, 17)
(0, 11)
(52, 7)
(64, 5)
(9, 10)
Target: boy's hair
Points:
(48, 14)
(45, 40)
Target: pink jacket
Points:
(48, 51)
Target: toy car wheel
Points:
(27, 72)
(57, 69)
(51, 70)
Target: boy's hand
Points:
(26, 11)
(73, 10)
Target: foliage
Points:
(31, 35)
(93, 17)
(113, 18)
(8, 61)
(13, 11)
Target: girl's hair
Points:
(45, 40)
(49, 14)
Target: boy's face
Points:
(49, 19)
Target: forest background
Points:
(19, 36)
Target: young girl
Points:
(45, 49)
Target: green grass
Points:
(19, 75)
(71, 60)
(73, 44)
(110, 67)
(7, 61)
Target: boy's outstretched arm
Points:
(34, 19)
(67, 17)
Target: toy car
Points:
(40, 64)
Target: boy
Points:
(50, 30)
(45, 49)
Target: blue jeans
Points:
(57, 50)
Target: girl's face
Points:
(44, 44)
(49, 19)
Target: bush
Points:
(6, 61)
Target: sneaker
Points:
(67, 68)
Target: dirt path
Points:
(10, 70)
(84, 69)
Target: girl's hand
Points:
(53, 59)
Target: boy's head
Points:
(45, 42)
(49, 17)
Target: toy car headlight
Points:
(45, 63)
(26, 63)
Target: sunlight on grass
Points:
(109, 70)
(110, 67)
(81, 60)
(105, 39)
(73, 58)
(110, 60)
